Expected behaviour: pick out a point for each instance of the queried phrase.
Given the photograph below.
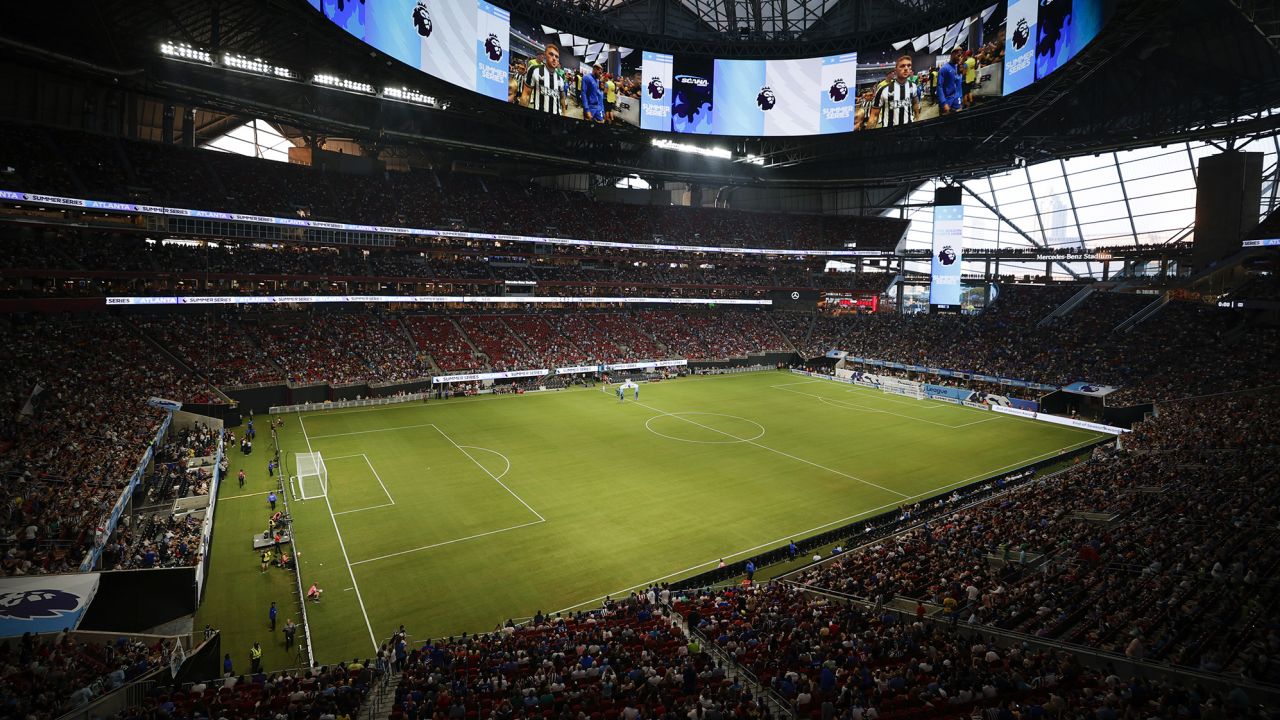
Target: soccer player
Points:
(592, 102)
(543, 86)
(637, 391)
(951, 84)
(621, 396)
(897, 102)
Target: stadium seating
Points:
(43, 677)
(60, 161)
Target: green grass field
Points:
(454, 516)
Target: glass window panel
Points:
(1008, 179)
(1155, 166)
(1013, 194)
(1165, 203)
(1018, 209)
(1103, 211)
(1170, 221)
(1044, 171)
(1106, 228)
(1170, 182)
(1088, 162)
(1095, 196)
(1101, 176)
(1154, 151)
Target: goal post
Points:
(312, 475)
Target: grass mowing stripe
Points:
(447, 542)
(486, 472)
(624, 503)
(766, 447)
(778, 542)
(343, 545)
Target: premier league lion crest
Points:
(946, 255)
(766, 99)
(838, 90)
(422, 19)
(1021, 34)
(31, 604)
(493, 47)
(656, 90)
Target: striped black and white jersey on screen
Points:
(897, 103)
(546, 88)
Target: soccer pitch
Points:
(454, 516)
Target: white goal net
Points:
(312, 477)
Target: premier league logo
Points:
(493, 47)
(1021, 34)
(28, 604)
(946, 255)
(766, 99)
(422, 19)
(838, 90)
(656, 90)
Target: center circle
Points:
(714, 428)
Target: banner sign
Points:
(646, 364)
(474, 377)
(1056, 420)
(495, 299)
(165, 404)
(1083, 388)
(579, 369)
(44, 603)
(34, 199)
(948, 255)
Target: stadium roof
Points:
(1162, 71)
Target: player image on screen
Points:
(542, 83)
(897, 101)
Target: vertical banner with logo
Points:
(948, 236)
(738, 83)
(1020, 45)
(655, 91)
(837, 93)
(693, 95)
(492, 65)
(448, 29)
(787, 100)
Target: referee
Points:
(543, 85)
(897, 102)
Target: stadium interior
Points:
(1008, 352)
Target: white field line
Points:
(448, 542)
(805, 533)
(371, 507)
(343, 545)
(772, 450)
(390, 499)
(496, 478)
(233, 497)
(855, 406)
(366, 432)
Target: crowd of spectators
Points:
(44, 677)
(1165, 550)
(329, 692)
(56, 161)
(627, 659)
(337, 347)
(76, 428)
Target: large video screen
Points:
(479, 46)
